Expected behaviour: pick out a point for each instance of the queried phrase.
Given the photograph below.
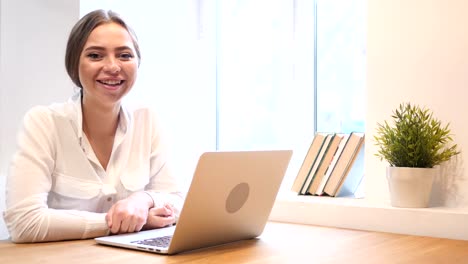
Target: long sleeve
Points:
(31, 221)
(29, 181)
(56, 187)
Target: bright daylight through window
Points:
(248, 74)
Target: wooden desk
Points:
(280, 243)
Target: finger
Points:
(157, 211)
(116, 223)
(169, 212)
(169, 208)
(165, 221)
(125, 225)
(115, 228)
(139, 226)
(136, 225)
(132, 228)
(159, 221)
(160, 211)
(132, 223)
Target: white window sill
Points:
(368, 215)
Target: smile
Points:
(111, 82)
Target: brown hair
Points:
(80, 33)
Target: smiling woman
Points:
(93, 165)
(107, 71)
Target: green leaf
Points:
(414, 138)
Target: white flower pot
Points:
(410, 187)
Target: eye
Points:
(126, 56)
(94, 56)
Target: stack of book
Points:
(333, 165)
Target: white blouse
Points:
(58, 190)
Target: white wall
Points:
(33, 36)
(418, 51)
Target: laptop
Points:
(230, 199)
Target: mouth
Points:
(111, 84)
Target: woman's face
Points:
(108, 65)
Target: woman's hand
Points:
(130, 214)
(160, 217)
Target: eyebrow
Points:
(102, 48)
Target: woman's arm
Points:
(29, 181)
(31, 221)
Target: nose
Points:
(111, 66)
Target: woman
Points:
(90, 166)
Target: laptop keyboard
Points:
(155, 242)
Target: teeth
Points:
(111, 82)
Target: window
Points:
(238, 75)
(341, 58)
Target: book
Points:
(352, 179)
(323, 166)
(308, 162)
(317, 162)
(346, 159)
(326, 176)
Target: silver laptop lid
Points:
(230, 198)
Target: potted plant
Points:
(413, 145)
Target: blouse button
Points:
(109, 199)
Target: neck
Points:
(100, 121)
(100, 125)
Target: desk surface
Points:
(279, 243)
